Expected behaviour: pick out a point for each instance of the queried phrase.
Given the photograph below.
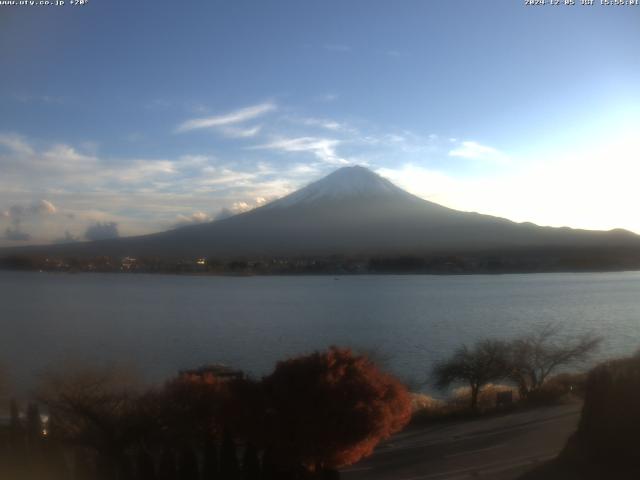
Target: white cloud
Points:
(196, 161)
(323, 148)
(199, 217)
(231, 118)
(67, 155)
(19, 214)
(232, 132)
(62, 166)
(323, 123)
(139, 170)
(15, 143)
(221, 176)
(143, 195)
(194, 218)
(241, 207)
(475, 151)
(140, 195)
(46, 207)
(305, 169)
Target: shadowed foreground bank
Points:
(606, 442)
(597, 440)
(312, 415)
(315, 414)
(496, 447)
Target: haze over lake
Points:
(162, 323)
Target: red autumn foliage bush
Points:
(192, 404)
(330, 409)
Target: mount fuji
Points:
(352, 211)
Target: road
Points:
(499, 448)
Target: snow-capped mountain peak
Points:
(347, 182)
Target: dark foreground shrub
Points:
(609, 428)
(571, 383)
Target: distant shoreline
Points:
(484, 262)
(324, 274)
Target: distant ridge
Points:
(353, 211)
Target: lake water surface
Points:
(162, 323)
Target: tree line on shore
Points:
(541, 260)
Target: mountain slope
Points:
(351, 211)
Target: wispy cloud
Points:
(194, 218)
(139, 195)
(233, 132)
(476, 151)
(322, 148)
(230, 118)
(15, 143)
(161, 189)
(241, 207)
(66, 164)
(323, 123)
(46, 99)
(328, 97)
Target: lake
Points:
(162, 323)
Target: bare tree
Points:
(532, 358)
(94, 408)
(485, 362)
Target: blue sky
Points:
(138, 116)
